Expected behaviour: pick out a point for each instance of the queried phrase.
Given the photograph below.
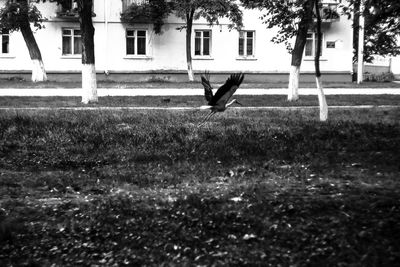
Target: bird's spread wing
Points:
(228, 89)
(205, 81)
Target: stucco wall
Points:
(167, 51)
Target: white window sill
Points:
(71, 56)
(138, 57)
(249, 58)
(312, 59)
(6, 56)
(203, 58)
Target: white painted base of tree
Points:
(323, 106)
(190, 72)
(38, 71)
(89, 84)
(293, 89)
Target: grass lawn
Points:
(20, 83)
(250, 187)
(196, 101)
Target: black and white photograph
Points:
(199, 133)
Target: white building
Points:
(133, 53)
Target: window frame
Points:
(72, 36)
(245, 43)
(136, 38)
(202, 41)
(314, 45)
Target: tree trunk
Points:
(323, 107)
(38, 71)
(297, 53)
(189, 24)
(294, 78)
(89, 84)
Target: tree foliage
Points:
(382, 27)
(281, 14)
(155, 11)
(14, 14)
(210, 10)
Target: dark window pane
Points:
(309, 48)
(197, 46)
(249, 34)
(5, 44)
(141, 46)
(206, 34)
(249, 49)
(77, 32)
(66, 45)
(130, 46)
(198, 34)
(241, 46)
(206, 47)
(130, 33)
(77, 46)
(141, 33)
(66, 32)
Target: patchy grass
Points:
(196, 101)
(151, 188)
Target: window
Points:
(246, 43)
(136, 42)
(5, 41)
(311, 44)
(202, 43)
(71, 42)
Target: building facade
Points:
(136, 53)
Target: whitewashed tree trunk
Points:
(293, 89)
(38, 71)
(190, 72)
(189, 25)
(323, 106)
(89, 84)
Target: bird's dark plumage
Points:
(205, 80)
(219, 101)
(224, 92)
(228, 89)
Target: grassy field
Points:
(129, 188)
(17, 82)
(196, 101)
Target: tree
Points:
(17, 16)
(89, 84)
(211, 10)
(323, 107)
(382, 27)
(293, 19)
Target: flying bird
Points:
(219, 101)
